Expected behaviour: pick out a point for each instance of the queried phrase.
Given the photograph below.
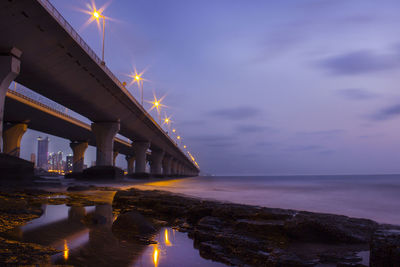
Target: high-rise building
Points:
(33, 158)
(59, 161)
(69, 163)
(42, 152)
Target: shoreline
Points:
(226, 232)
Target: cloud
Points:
(324, 133)
(303, 148)
(356, 94)
(238, 113)
(387, 113)
(212, 140)
(251, 128)
(360, 62)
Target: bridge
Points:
(40, 50)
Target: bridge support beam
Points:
(115, 155)
(167, 163)
(130, 160)
(78, 151)
(105, 133)
(156, 162)
(9, 70)
(12, 136)
(173, 167)
(140, 149)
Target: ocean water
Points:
(375, 197)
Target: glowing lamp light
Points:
(184, 146)
(173, 130)
(96, 14)
(179, 137)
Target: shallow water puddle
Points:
(84, 236)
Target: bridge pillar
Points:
(156, 161)
(130, 160)
(9, 70)
(167, 164)
(78, 151)
(12, 136)
(140, 149)
(173, 167)
(115, 155)
(105, 133)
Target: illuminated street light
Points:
(97, 15)
(157, 105)
(137, 78)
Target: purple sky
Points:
(261, 87)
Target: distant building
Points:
(59, 161)
(33, 158)
(69, 163)
(42, 153)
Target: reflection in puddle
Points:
(173, 248)
(84, 237)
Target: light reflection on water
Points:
(173, 248)
(94, 244)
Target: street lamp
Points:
(97, 15)
(157, 105)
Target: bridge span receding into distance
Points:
(41, 51)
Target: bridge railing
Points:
(63, 22)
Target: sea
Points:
(375, 197)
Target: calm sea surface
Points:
(376, 197)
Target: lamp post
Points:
(97, 15)
(139, 80)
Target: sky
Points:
(261, 87)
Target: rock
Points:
(243, 235)
(75, 188)
(314, 227)
(385, 248)
(131, 225)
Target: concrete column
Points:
(130, 160)
(115, 155)
(140, 149)
(78, 151)
(156, 161)
(167, 164)
(12, 136)
(173, 167)
(9, 70)
(105, 133)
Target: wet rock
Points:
(75, 188)
(132, 225)
(385, 248)
(308, 226)
(244, 235)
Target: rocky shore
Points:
(233, 234)
(242, 235)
